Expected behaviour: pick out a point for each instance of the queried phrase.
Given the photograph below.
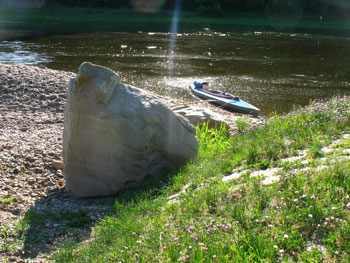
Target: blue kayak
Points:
(222, 99)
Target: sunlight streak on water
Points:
(173, 37)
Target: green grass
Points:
(7, 200)
(242, 125)
(302, 218)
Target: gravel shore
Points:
(31, 122)
(32, 103)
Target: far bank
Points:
(27, 23)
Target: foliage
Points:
(242, 125)
(210, 7)
(92, 3)
(284, 8)
(255, 4)
(218, 7)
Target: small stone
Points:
(58, 164)
(16, 170)
(13, 259)
(24, 129)
(30, 158)
(31, 180)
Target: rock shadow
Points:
(58, 220)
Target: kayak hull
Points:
(227, 102)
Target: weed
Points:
(315, 150)
(242, 125)
(11, 236)
(7, 200)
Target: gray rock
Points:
(115, 135)
(57, 164)
(200, 115)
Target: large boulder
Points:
(115, 135)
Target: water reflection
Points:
(273, 71)
(18, 52)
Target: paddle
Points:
(191, 103)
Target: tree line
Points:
(220, 7)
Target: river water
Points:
(273, 71)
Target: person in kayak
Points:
(201, 85)
(205, 86)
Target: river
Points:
(273, 71)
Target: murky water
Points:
(272, 71)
